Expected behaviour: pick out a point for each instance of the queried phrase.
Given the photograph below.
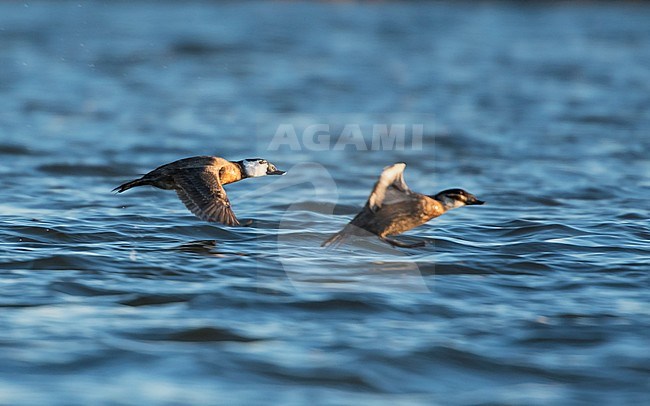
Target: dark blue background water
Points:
(539, 297)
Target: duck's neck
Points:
(433, 208)
(446, 203)
(232, 172)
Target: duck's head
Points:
(453, 198)
(259, 167)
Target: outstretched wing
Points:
(390, 188)
(201, 192)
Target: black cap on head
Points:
(460, 195)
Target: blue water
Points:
(539, 297)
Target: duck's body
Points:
(397, 218)
(393, 208)
(199, 181)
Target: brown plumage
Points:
(392, 208)
(198, 182)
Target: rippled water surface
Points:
(539, 297)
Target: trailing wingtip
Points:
(128, 185)
(329, 241)
(122, 187)
(333, 241)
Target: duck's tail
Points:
(128, 185)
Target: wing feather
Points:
(390, 188)
(201, 192)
